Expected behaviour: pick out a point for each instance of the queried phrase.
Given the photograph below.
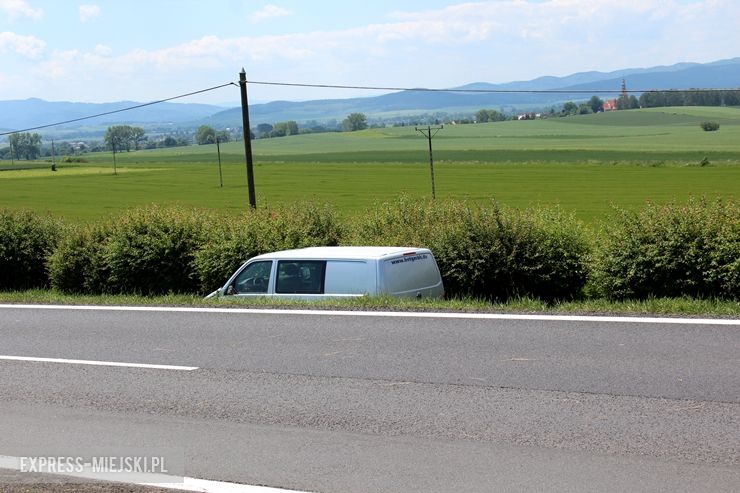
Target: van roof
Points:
(342, 252)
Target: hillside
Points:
(586, 164)
(34, 112)
(724, 74)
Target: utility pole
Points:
(220, 175)
(429, 133)
(53, 157)
(113, 143)
(247, 138)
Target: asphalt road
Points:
(344, 403)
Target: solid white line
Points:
(206, 486)
(351, 313)
(173, 482)
(97, 363)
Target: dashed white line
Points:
(97, 363)
(352, 313)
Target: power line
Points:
(367, 88)
(120, 110)
(484, 91)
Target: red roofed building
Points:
(610, 105)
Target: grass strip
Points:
(655, 306)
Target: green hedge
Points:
(487, 252)
(78, 264)
(26, 240)
(152, 251)
(673, 250)
(233, 241)
(146, 251)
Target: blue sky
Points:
(111, 50)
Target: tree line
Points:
(24, 144)
(658, 99)
(352, 123)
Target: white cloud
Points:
(27, 46)
(88, 12)
(496, 41)
(19, 8)
(102, 50)
(269, 12)
(514, 37)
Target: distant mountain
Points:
(719, 74)
(34, 112)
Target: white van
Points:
(321, 272)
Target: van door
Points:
(300, 277)
(253, 279)
(412, 274)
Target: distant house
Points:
(610, 105)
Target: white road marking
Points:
(97, 363)
(174, 482)
(206, 486)
(351, 313)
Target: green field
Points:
(585, 164)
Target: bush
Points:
(672, 250)
(147, 251)
(234, 241)
(488, 252)
(26, 239)
(152, 251)
(78, 263)
(709, 126)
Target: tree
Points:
(354, 121)
(205, 135)
(570, 108)
(223, 136)
(483, 116)
(264, 129)
(119, 137)
(26, 145)
(630, 102)
(138, 136)
(596, 104)
(584, 109)
(282, 129)
(731, 98)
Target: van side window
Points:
(300, 277)
(254, 278)
(349, 277)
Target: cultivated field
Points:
(585, 164)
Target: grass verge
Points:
(655, 306)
